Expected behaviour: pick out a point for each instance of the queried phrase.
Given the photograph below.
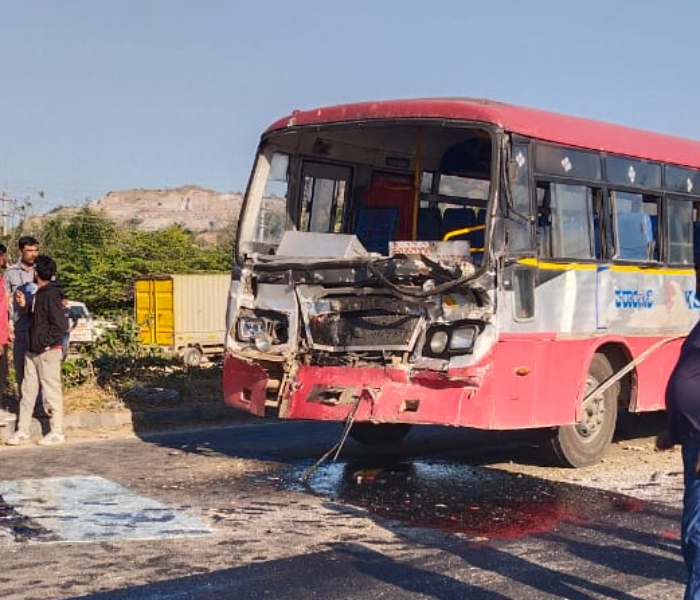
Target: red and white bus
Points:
(462, 262)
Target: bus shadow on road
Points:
(352, 570)
(620, 556)
(288, 441)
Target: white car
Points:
(82, 327)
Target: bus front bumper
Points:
(386, 395)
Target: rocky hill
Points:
(196, 208)
(212, 215)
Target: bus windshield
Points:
(379, 183)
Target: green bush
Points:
(119, 358)
(76, 371)
(98, 262)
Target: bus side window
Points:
(519, 222)
(572, 216)
(636, 226)
(565, 221)
(680, 231)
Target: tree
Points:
(98, 263)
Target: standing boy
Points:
(42, 363)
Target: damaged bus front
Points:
(463, 262)
(365, 272)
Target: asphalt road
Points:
(220, 513)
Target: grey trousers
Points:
(42, 370)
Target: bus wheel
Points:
(379, 434)
(192, 357)
(586, 442)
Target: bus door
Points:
(325, 190)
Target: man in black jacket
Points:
(42, 363)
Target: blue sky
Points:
(116, 94)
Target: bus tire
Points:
(586, 442)
(379, 434)
(192, 356)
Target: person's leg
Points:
(30, 389)
(19, 351)
(690, 526)
(49, 366)
(3, 376)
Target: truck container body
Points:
(185, 314)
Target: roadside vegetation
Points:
(117, 371)
(97, 264)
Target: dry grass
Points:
(193, 386)
(90, 397)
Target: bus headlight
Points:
(462, 338)
(249, 327)
(262, 342)
(454, 339)
(438, 342)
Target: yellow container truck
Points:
(184, 314)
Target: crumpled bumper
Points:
(245, 385)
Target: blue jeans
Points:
(690, 526)
(19, 349)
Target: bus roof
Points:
(530, 122)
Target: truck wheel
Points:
(587, 441)
(379, 434)
(192, 357)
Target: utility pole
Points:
(4, 200)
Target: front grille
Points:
(364, 323)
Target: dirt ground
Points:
(632, 467)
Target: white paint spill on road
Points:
(89, 508)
